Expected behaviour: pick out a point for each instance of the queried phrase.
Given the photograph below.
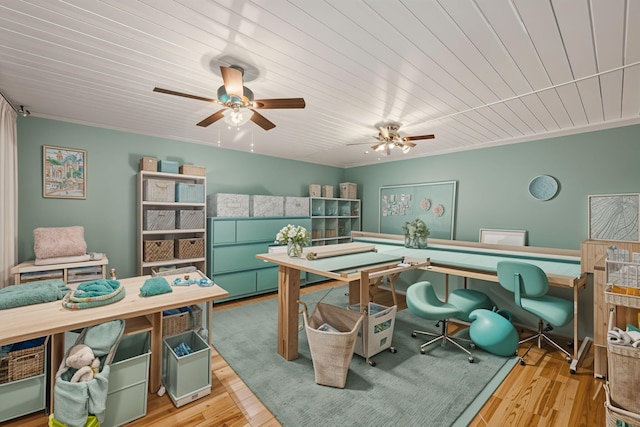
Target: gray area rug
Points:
(405, 388)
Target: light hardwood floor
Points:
(542, 393)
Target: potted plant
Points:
(415, 233)
(295, 237)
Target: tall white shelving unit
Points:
(332, 220)
(144, 267)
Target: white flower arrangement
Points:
(415, 233)
(293, 234)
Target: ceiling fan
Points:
(388, 138)
(238, 101)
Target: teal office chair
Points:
(530, 284)
(423, 302)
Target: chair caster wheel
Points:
(392, 349)
(572, 371)
(472, 346)
(522, 362)
(371, 362)
(568, 359)
(413, 335)
(422, 351)
(470, 359)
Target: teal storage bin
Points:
(168, 166)
(188, 377)
(189, 193)
(128, 381)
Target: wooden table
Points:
(140, 313)
(479, 261)
(355, 269)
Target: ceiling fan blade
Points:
(359, 143)
(375, 147)
(408, 144)
(261, 121)
(384, 132)
(280, 103)
(212, 118)
(186, 95)
(415, 138)
(232, 78)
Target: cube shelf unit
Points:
(332, 220)
(145, 267)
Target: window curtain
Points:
(8, 191)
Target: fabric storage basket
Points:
(189, 248)
(314, 190)
(624, 376)
(167, 166)
(149, 164)
(228, 205)
(331, 352)
(327, 191)
(189, 193)
(190, 219)
(618, 417)
(193, 170)
(266, 206)
(159, 220)
(296, 206)
(158, 250)
(348, 190)
(174, 324)
(159, 190)
(24, 363)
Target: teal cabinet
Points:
(232, 246)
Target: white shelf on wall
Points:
(145, 266)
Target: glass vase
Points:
(294, 250)
(416, 242)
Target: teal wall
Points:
(491, 188)
(492, 183)
(492, 192)
(109, 212)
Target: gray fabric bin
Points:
(190, 219)
(159, 219)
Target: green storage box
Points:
(128, 381)
(168, 166)
(188, 377)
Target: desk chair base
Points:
(540, 336)
(444, 337)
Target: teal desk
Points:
(479, 261)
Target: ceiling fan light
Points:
(381, 148)
(406, 149)
(237, 116)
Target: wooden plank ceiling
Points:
(475, 73)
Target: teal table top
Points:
(479, 259)
(354, 261)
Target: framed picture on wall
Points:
(503, 237)
(64, 173)
(614, 217)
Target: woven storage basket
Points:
(624, 376)
(189, 248)
(158, 250)
(331, 352)
(175, 324)
(619, 417)
(23, 363)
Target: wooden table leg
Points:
(57, 354)
(155, 363)
(288, 309)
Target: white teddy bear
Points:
(81, 357)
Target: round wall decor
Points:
(543, 187)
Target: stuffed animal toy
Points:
(81, 357)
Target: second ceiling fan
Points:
(238, 101)
(388, 138)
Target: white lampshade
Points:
(237, 116)
(406, 149)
